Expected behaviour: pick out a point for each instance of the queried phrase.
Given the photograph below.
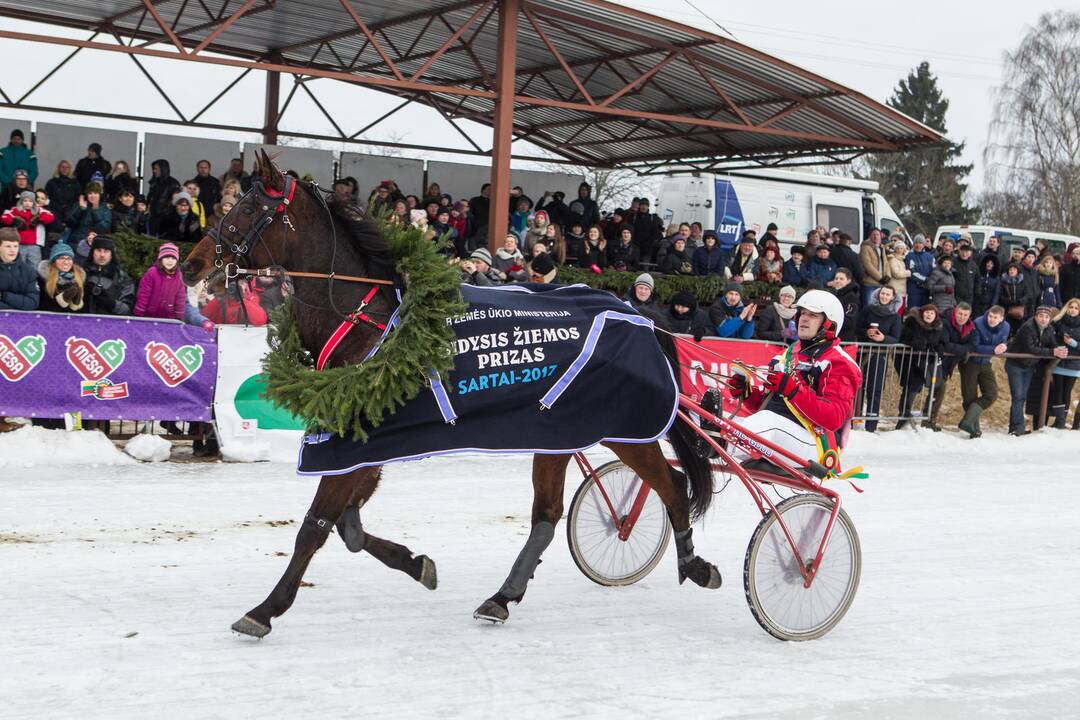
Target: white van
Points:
(1010, 237)
(796, 201)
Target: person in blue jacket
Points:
(730, 317)
(978, 387)
(920, 262)
(17, 156)
(18, 278)
(795, 269)
(821, 269)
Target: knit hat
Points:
(966, 247)
(93, 187)
(645, 279)
(1046, 309)
(182, 195)
(685, 299)
(17, 133)
(416, 216)
(798, 250)
(27, 194)
(733, 287)
(819, 248)
(21, 173)
(168, 250)
(61, 250)
(787, 290)
(543, 265)
(103, 242)
(481, 254)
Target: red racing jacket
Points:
(828, 381)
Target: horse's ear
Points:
(271, 176)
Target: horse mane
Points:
(364, 236)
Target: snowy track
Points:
(969, 604)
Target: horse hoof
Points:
(703, 574)
(250, 627)
(492, 612)
(429, 578)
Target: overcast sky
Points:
(866, 46)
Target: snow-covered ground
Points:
(120, 584)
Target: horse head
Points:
(256, 231)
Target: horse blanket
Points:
(537, 369)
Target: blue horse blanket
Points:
(537, 369)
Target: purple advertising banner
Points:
(105, 367)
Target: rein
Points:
(232, 271)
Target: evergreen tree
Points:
(926, 187)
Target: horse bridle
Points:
(272, 204)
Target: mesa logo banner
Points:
(174, 366)
(52, 364)
(19, 357)
(95, 363)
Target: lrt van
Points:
(797, 202)
(1010, 237)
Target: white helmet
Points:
(822, 301)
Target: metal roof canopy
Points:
(594, 83)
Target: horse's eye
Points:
(247, 210)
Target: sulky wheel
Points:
(593, 534)
(774, 586)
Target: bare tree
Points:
(1033, 157)
(616, 188)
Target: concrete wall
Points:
(370, 170)
(320, 163)
(69, 142)
(463, 180)
(183, 152)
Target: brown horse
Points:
(308, 235)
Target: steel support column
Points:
(273, 98)
(502, 135)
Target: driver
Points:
(808, 397)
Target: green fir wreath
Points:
(341, 399)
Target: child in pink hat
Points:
(161, 291)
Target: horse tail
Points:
(697, 469)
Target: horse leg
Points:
(395, 556)
(649, 463)
(329, 502)
(549, 476)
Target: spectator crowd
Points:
(926, 310)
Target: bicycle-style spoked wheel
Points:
(774, 586)
(593, 534)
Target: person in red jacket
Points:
(807, 401)
(30, 221)
(236, 305)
